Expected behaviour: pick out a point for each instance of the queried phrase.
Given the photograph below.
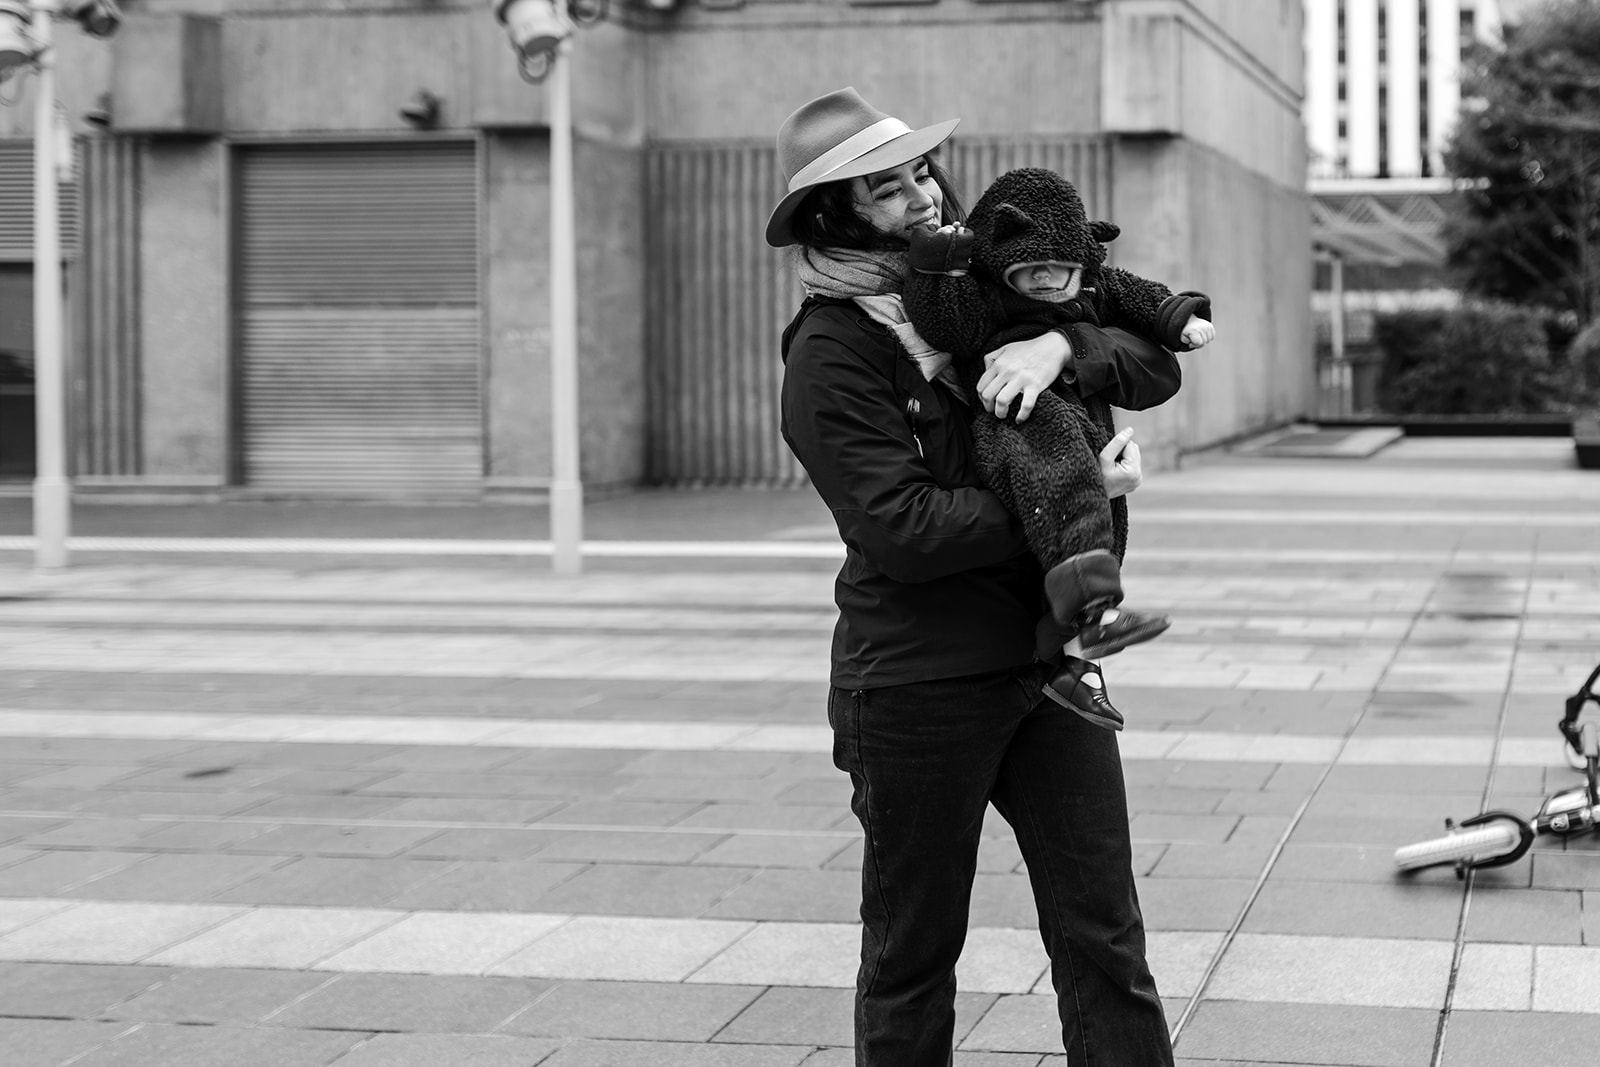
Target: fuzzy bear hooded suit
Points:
(1045, 470)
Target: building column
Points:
(1444, 72)
(1361, 86)
(1322, 85)
(1405, 91)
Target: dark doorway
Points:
(16, 371)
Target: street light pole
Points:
(541, 32)
(52, 492)
(566, 485)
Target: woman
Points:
(935, 701)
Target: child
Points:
(1030, 261)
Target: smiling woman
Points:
(935, 700)
(899, 200)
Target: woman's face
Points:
(896, 201)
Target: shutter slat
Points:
(16, 205)
(339, 224)
(358, 319)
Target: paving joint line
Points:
(1459, 946)
(1232, 933)
(80, 1057)
(418, 824)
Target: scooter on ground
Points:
(1496, 838)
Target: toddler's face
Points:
(1049, 280)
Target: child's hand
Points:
(947, 250)
(1119, 465)
(1197, 332)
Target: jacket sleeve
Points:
(1120, 367)
(842, 421)
(944, 302)
(951, 313)
(1150, 308)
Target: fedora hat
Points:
(841, 136)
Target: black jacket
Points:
(938, 581)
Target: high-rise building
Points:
(1383, 82)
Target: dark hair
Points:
(827, 216)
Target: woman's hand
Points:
(1119, 465)
(1021, 371)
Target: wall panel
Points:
(103, 303)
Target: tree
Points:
(1528, 229)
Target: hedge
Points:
(1480, 358)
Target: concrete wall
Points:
(1200, 97)
(184, 297)
(1209, 188)
(1000, 67)
(609, 169)
(516, 228)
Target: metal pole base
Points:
(52, 520)
(566, 526)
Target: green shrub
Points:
(1583, 363)
(1476, 359)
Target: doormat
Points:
(1356, 442)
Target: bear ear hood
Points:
(1010, 221)
(1032, 215)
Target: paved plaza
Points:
(297, 786)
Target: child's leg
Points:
(1047, 473)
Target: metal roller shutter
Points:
(358, 319)
(16, 206)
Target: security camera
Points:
(97, 18)
(99, 116)
(422, 110)
(17, 46)
(536, 27)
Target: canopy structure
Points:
(1385, 221)
(1379, 221)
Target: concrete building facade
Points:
(288, 275)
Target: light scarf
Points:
(873, 279)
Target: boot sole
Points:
(1132, 637)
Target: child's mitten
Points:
(947, 250)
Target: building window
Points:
(1339, 35)
(1383, 131)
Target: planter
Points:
(1586, 438)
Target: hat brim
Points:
(902, 149)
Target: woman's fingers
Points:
(1115, 446)
(1019, 372)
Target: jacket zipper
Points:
(913, 409)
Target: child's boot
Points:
(1128, 628)
(1079, 686)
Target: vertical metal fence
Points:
(103, 292)
(718, 297)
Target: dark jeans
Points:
(926, 759)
